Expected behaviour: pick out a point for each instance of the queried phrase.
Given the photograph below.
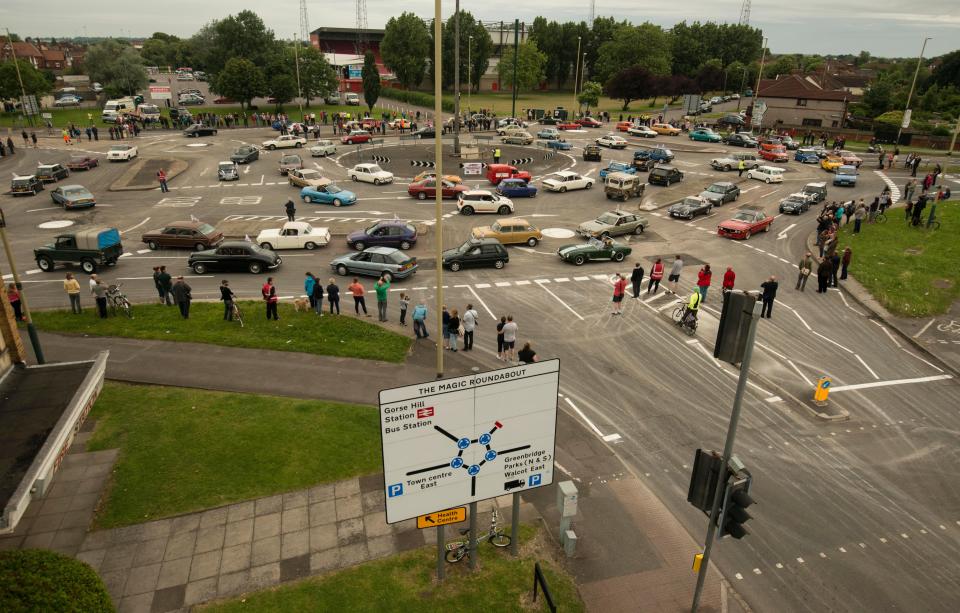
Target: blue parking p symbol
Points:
(534, 480)
(395, 490)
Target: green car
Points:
(706, 135)
(594, 249)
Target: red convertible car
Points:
(745, 224)
(589, 122)
(427, 188)
(568, 125)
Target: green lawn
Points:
(406, 582)
(911, 271)
(342, 336)
(184, 450)
(501, 103)
(861, 146)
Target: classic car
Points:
(613, 223)
(720, 193)
(850, 158)
(424, 132)
(706, 135)
(845, 176)
(51, 173)
(510, 231)
(773, 152)
(568, 125)
(195, 235)
(589, 122)
(664, 175)
(566, 180)
(767, 174)
(483, 201)
(476, 252)
(661, 154)
(642, 131)
(122, 153)
(806, 156)
(323, 148)
(499, 172)
(591, 153)
(293, 235)
(285, 141)
(732, 162)
(623, 126)
(509, 128)
(517, 188)
(399, 123)
(429, 174)
(740, 139)
(817, 192)
(795, 204)
(234, 256)
(559, 145)
(198, 129)
(90, 248)
(328, 194)
(427, 188)
(386, 233)
(617, 167)
(594, 249)
(307, 177)
(831, 162)
(548, 134)
(517, 138)
(370, 173)
(245, 154)
(665, 128)
(290, 161)
(613, 141)
(788, 142)
(690, 207)
(374, 262)
(27, 184)
(82, 162)
(745, 223)
(228, 171)
(73, 197)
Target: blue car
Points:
(662, 154)
(806, 156)
(548, 134)
(617, 167)
(328, 194)
(559, 145)
(516, 188)
(845, 176)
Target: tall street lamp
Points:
(576, 74)
(456, 81)
(438, 205)
(906, 110)
(469, 73)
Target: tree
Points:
(34, 81)
(948, 72)
(783, 65)
(317, 76)
(405, 48)
(530, 64)
(241, 80)
(282, 87)
(243, 35)
(480, 52)
(590, 94)
(371, 80)
(710, 76)
(162, 49)
(117, 66)
(878, 97)
(601, 31)
(631, 84)
(646, 45)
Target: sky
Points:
(885, 28)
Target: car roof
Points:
(664, 168)
(23, 177)
(770, 168)
(817, 184)
(381, 250)
(723, 183)
(183, 224)
(478, 192)
(565, 173)
(230, 162)
(74, 186)
(485, 241)
(236, 243)
(46, 165)
(513, 220)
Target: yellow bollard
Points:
(697, 560)
(822, 391)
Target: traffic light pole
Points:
(727, 452)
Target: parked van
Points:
(767, 174)
(148, 112)
(114, 108)
(352, 99)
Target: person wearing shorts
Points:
(674, 277)
(509, 339)
(619, 289)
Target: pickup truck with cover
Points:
(90, 248)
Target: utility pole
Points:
(296, 61)
(31, 329)
(23, 92)
(576, 74)
(438, 156)
(469, 73)
(953, 140)
(910, 95)
(516, 53)
(756, 91)
(456, 82)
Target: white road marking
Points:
(739, 576)
(865, 365)
(586, 419)
(143, 251)
(924, 329)
(482, 303)
(859, 386)
(774, 399)
(783, 233)
(830, 340)
(46, 208)
(136, 226)
(557, 298)
(799, 372)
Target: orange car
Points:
(665, 128)
(429, 174)
(623, 126)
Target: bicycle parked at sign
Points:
(458, 550)
(118, 301)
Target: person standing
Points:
(317, 296)
(226, 294)
(916, 164)
(636, 279)
(496, 155)
(768, 292)
(404, 305)
(834, 268)
(908, 190)
(72, 287)
(291, 210)
(333, 295)
(162, 179)
(845, 262)
(272, 299)
(804, 268)
(33, 139)
(156, 282)
(823, 276)
(166, 286)
(381, 287)
(445, 326)
(704, 278)
(470, 317)
(619, 289)
(859, 215)
(359, 302)
(453, 325)
(729, 278)
(509, 338)
(309, 282)
(10, 146)
(656, 275)
(181, 295)
(419, 320)
(741, 166)
(674, 278)
(26, 139)
(99, 291)
(13, 297)
(500, 325)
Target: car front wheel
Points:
(618, 256)
(88, 266)
(309, 246)
(579, 260)
(639, 230)
(255, 268)
(342, 270)
(359, 246)
(336, 202)
(199, 268)
(532, 242)
(45, 264)
(307, 199)
(152, 245)
(498, 264)
(467, 210)
(454, 266)
(199, 247)
(503, 210)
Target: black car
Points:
(720, 193)
(548, 121)
(795, 204)
(664, 175)
(198, 129)
(476, 252)
(740, 140)
(26, 186)
(425, 132)
(245, 154)
(234, 256)
(591, 153)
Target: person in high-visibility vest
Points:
(496, 155)
(691, 309)
(740, 168)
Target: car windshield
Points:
(226, 166)
(290, 159)
(690, 201)
(496, 227)
(75, 191)
(333, 189)
(307, 173)
(716, 188)
(370, 229)
(205, 228)
(744, 216)
(21, 182)
(119, 147)
(608, 219)
(467, 246)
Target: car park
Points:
(831, 163)
(293, 235)
(483, 201)
(234, 256)
(593, 250)
(510, 231)
(519, 137)
(623, 186)
(427, 188)
(307, 177)
(245, 154)
(641, 131)
(476, 253)
(690, 207)
(285, 141)
(73, 197)
(817, 192)
(370, 173)
(773, 152)
(720, 193)
(51, 173)
(566, 180)
(198, 129)
(617, 167)
(613, 223)
(591, 153)
(516, 188)
(82, 161)
(25, 185)
(665, 129)
(323, 148)
(589, 122)
(806, 156)
(705, 135)
(328, 194)
(547, 134)
(664, 175)
(613, 141)
(386, 233)
(290, 161)
(845, 176)
(740, 139)
(91, 248)
(795, 204)
(499, 172)
(767, 174)
(744, 224)
(228, 171)
(559, 145)
(388, 262)
(195, 235)
(732, 162)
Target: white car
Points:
(509, 129)
(370, 173)
(643, 131)
(506, 121)
(323, 148)
(294, 235)
(285, 141)
(565, 180)
(767, 174)
(483, 201)
(613, 141)
(123, 153)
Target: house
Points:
(798, 101)
(54, 59)
(24, 51)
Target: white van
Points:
(767, 174)
(114, 108)
(352, 99)
(149, 112)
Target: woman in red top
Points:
(728, 279)
(703, 281)
(619, 288)
(13, 297)
(656, 273)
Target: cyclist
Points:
(691, 309)
(226, 294)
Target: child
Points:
(404, 303)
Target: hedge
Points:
(42, 580)
(415, 98)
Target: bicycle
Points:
(880, 218)
(689, 325)
(119, 302)
(457, 550)
(237, 315)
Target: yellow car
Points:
(665, 128)
(831, 163)
(510, 231)
(430, 174)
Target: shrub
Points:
(414, 98)
(41, 580)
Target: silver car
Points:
(323, 148)
(375, 261)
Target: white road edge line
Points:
(136, 226)
(540, 282)
(590, 423)
(858, 386)
(865, 365)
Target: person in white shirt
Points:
(509, 339)
(93, 282)
(469, 321)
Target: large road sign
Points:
(454, 441)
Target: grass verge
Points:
(184, 450)
(342, 336)
(911, 271)
(406, 582)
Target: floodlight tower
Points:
(361, 25)
(745, 13)
(593, 11)
(304, 23)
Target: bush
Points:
(414, 98)
(41, 580)
(941, 131)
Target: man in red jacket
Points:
(728, 279)
(619, 289)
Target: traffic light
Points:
(734, 325)
(734, 514)
(703, 479)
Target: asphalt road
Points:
(862, 515)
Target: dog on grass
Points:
(301, 304)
